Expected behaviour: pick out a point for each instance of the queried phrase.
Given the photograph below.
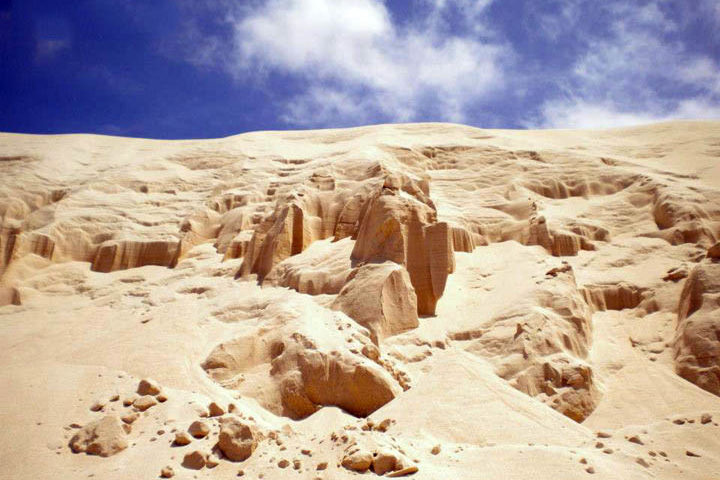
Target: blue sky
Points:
(211, 68)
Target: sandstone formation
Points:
(381, 298)
(421, 300)
(697, 344)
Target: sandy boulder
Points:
(238, 439)
(381, 298)
(103, 437)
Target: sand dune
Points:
(420, 300)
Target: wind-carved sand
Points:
(424, 300)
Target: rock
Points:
(103, 437)
(148, 386)
(697, 339)
(129, 400)
(199, 429)
(120, 255)
(404, 230)
(130, 417)
(381, 298)
(435, 450)
(237, 439)
(403, 472)
(167, 472)
(642, 462)
(357, 460)
(603, 435)
(636, 439)
(215, 410)
(9, 295)
(97, 406)
(283, 463)
(321, 466)
(161, 397)
(590, 470)
(182, 439)
(212, 461)
(145, 402)
(705, 418)
(691, 454)
(714, 251)
(194, 460)
(384, 461)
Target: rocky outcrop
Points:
(381, 298)
(123, 254)
(319, 358)
(402, 229)
(9, 296)
(616, 296)
(103, 437)
(697, 340)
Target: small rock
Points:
(241, 473)
(307, 452)
(679, 421)
(283, 463)
(215, 410)
(129, 400)
(212, 461)
(297, 464)
(691, 454)
(641, 461)
(115, 398)
(357, 460)
(194, 460)
(103, 437)
(130, 417)
(714, 251)
(182, 439)
(405, 471)
(436, 449)
(636, 439)
(590, 470)
(608, 451)
(145, 402)
(583, 461)
(161, 397)
(321, 466)
(384, 425)
(599, 445)
(237, 439)
(705, 418)
(167, 472)
(384, 461)
(662, 454)
(97, 406)
(603, 435)
(148, 386)
(199, 429)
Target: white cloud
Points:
(351, 52)
(620, 79)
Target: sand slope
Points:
(425, 300)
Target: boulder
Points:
(103, 437)
(381, 298)
(148, 386)
(195, 460)
(199, 429)
(238, 440)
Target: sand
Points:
(423, 300)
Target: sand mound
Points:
(425, 300)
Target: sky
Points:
(213, 68)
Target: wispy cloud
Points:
(637, 72)
(350, 53)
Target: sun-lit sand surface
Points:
(423, 300)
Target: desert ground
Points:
(429, 301)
